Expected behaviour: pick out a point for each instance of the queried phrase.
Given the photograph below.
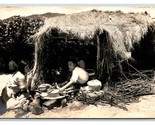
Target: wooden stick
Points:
(98, 54)
(139, 72)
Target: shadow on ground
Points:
(2, 107)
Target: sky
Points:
(8, 11)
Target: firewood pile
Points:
(122, 93)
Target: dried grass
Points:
(124, 29)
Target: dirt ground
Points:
(145, 108)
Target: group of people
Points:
(18, 81)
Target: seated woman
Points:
(14, 89)
(17, 81)
(79, 75)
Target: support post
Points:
(98, 55)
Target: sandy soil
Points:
(145, 108)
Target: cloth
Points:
(18, 102)
(79, 75)
(12, 101)
(17, 81)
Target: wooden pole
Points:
(98, 55)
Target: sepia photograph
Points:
(77, 61)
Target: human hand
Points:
(61, 91)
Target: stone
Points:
(76, 105)
(36, 109)
(64, 102)
(50, 104)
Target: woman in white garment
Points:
(11, 93)
(79, 75)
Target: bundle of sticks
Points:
(123, 93)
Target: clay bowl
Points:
(94, 84)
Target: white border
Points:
(80, 121)
(79, 3)
(68, 2)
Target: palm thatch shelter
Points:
(112, 35)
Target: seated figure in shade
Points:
(79, 75)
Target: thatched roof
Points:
(123, 29)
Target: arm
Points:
(73, 80)
(66, 86)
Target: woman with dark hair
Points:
(16, 82)
(79, 75)
(15, 92)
